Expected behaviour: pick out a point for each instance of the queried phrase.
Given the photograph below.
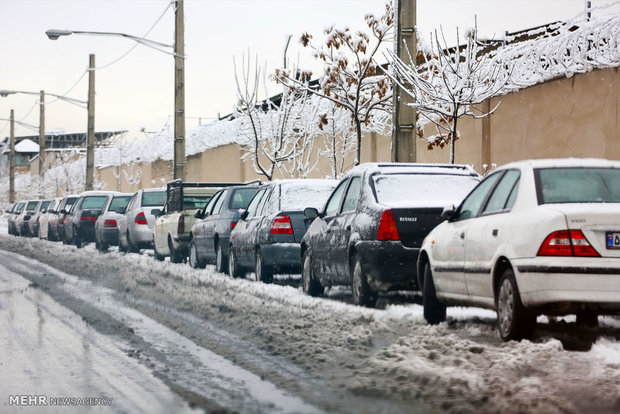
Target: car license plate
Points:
(613, 240)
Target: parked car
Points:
(210, 234)
(33, 223)
(17, 208)
(81, 227)
(535, 237)
(67, 223)
(56, 223)
(44, 220)
(370, 231)
(171, 235)
(267, 237)
(22, 219)
(135, 227)
(106, 226)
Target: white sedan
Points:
(534, 237)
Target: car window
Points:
(334, 201)
(132, 202)
(94, 202)
(118, 202)
(253, 206)
(471, 205)
(31, 205)
(195, 202)
(578, 185)
(499, 199)
(209, 207)
(426, 189)
(153, 198)
(353, 194)
(270, 203)
(299, 195)
(218, 205)
(241, 197)
(45, 204)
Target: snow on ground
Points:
(387, 356)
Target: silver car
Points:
(33, 223)
(106, 226)
(21, 221)
(135, 227)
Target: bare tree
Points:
(351, 78)
(450, 83)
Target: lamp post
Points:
(4, 93)
(12, 122)
(179, 79)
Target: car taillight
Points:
(181, 225)
(387, 227)
(282, 225)
(140, 218)
(233, 224)
(567, 243)
(109, 223)
(88, 218)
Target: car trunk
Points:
(598, 222)
(414, 224)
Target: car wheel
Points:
(310, 285)
(220, 260)
(263, 272)
(587, 318)
(158, 257)
(130, 246)
(362, 293)
(234, 270)
(77, 239)
(194, 261)
(175, 255)
(434, 310)
(514, 321)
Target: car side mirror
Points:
(311, 213)
(63, 211)
(198, 214)
(156, 212)
(449, 213)
(243, 214)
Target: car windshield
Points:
(45, 204)
(94, 202)
(119, 202)
(298, 196)
(194, 202)
(578, 185)
(31, 205)
(424, 188)
(19, 208)
(153, 198)
(241, 197)
(70, 202)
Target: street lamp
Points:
(12, 153)
(179, 79)
(4, 93)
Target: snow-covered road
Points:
(249, 347)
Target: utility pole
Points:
(12, 159)
(404, 117)
(41, 135)
(179, 93)
(90, 139)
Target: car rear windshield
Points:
(31, 205)
(194, 202)
(241, 197)
(94, 202)
(119, 202)
(298, 196)
(423, 188)
(153, 198)
(578, 185)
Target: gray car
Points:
(17, 208)
(106, 226)
(33, 223)
(22, 219)
(135, 229)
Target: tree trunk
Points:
(453, 137)
(358, 130)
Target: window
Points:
(44, 205)
(153, 198)
(430, 188)
(209, 207)
(499, 199)
(218, 205)
(578, 185)
(471, 206)
(32, 205)
(195, 202)
(131, 203)
(94, 202)
(241, 197)
(118, 202)
(334, 201)
(269, 203)
(353, 194)
(253, 206)
(309, 193)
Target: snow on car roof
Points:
(562, 162)
(408, 168)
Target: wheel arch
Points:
(420, 265)
(501, 265)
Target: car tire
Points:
(221, 262)
(434, 310)
(361, 291)
(175, 255)
(309, 284)
(130, 246)
(587, 318)
(234, 270)
(514, 321)
(264, 273)
(158, 257)
(193, 259)
(77, 239)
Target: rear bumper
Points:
(109, 236)
(389, 265)
(283, 257)
(592, 281)
(141, 236)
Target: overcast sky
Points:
(138, 90)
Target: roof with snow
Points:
(27, 145)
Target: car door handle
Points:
(494, 232)
(462, 235)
